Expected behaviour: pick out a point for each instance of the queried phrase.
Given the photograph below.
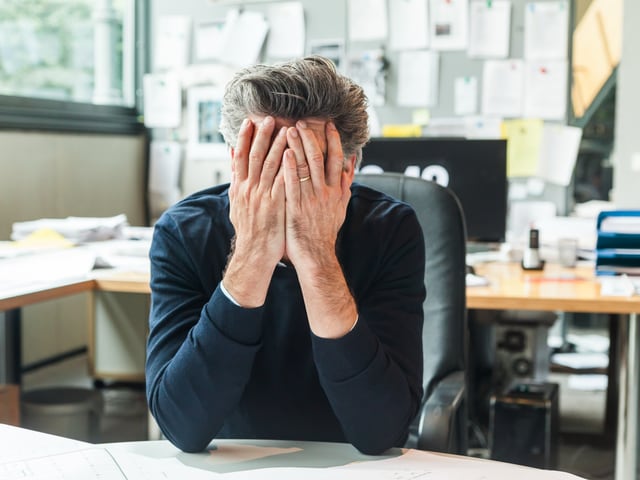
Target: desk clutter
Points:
(618, 243)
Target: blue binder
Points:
(618, 248)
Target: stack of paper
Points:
(618, 245)
(75, 229)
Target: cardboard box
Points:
(10, 404)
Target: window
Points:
(61, 59)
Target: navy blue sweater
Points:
(218, 370)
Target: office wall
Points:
(61, 174)
(627, 143)
(327, 19)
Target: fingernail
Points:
(244, 123)
(332, 126)
(282, 132)
(293, 132)
(268, 120)
(301, 124)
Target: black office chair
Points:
(441, 424)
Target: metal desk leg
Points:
(10, 355)
(627, 432)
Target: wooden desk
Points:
(574, 290)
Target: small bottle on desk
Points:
(531, 257)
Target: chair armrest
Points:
(443, 424)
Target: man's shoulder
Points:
(211, 201)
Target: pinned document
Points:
(448, 24)
(367, 20)
(418, 78)
(546, 89)
(502, 88)
(546, 30)
(523, 146)
(489, 29)
(286, 30)
(172, 42)
(408, 27)
(558, 153)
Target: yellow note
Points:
(44, 237)
(524, 137)
(405, 130)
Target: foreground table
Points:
(28, 454)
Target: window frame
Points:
(32, 113)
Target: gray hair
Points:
(302, 88)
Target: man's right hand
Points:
(257, 212)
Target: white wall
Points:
(626, 181)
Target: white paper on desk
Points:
(408, 24)
(286, 30)
(162, 100)
(546, 30)
(558, 153)
(489, 29)
(172, 42)
(20, 443)
(465, 98)
(441, 466)
(208, 39)
(367, 20)
(418, 78)
(448, 24)
(242, 37)
(545, 89)
(502, 87)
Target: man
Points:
(288, 304)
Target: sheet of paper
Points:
(465, 98)
(172, 42)
(368, 69)
(558, 153)
(164, 175)
(489, 28)
(286, 30)
(333, 49)
(545, 89)
(448, 24)
(204, 104)
(367, 20)
(418, 73)
(524, 138)
(502, 88)
(208, 39)
(162, 100)
(408, 24)
(546, 30)
(242, 37)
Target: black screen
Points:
(476, 171)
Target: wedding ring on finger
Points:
(304, 179)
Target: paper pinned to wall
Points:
(418, 78)
(172, 42)
(523, 146)
(162, 100)
(546, 30)
(164, 166)
(465, 101)
(489, 29)
(208, 39)
(448, 24)
(545, 92)
(408, 24)
(286, 30)
(502, 88)
(242, 37)
(368, 69)
(558, 153)
(367, 20)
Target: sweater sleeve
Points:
(200, 348)
(373, 375)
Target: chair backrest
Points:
(439, 212)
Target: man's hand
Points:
(257, 211)
(317, 194)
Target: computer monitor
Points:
(475, 170)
